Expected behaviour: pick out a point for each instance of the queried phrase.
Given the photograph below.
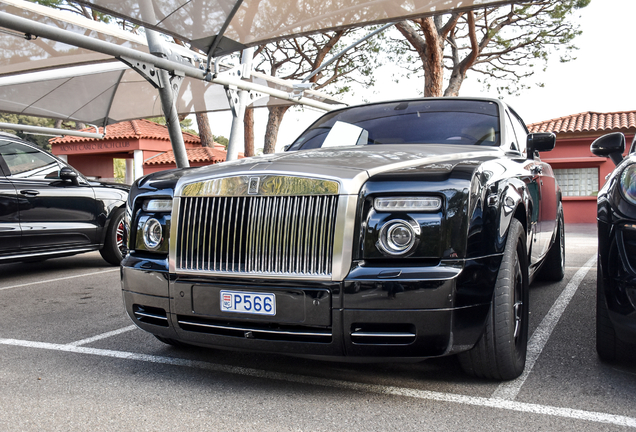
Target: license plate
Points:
(247, 302)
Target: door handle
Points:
(30, 192)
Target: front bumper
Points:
(415, 312)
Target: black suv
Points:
(48, 209)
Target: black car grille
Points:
(287, 235)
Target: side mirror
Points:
(543, 141)
(67, 173)
(611, 145)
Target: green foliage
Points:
(41, 141)
(185, 124)
(221, 140)
(119, 168)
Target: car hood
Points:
(349, 166)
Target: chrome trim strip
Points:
(383, 334)
(57, 252)
(343, 236)
(246, 329)
(256, 274)
(269, 185)
(174, 226)
(147, 315)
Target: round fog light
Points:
(153, 234)
(396, 237)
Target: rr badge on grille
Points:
(253, 187)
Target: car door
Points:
(518, 135)
(9, 217)
(54, 213)
(546, 183)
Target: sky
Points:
(601, 79)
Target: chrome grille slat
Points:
(269, 235)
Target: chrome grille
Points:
(259, 234)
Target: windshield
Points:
(454, 121)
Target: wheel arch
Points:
(109, 219)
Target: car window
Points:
(27, 162)
(460, 122)
(520, 131)
(511, 137)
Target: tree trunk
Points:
(429, 49)
(434, 61)
(273, 123)
(248, 132)
(460, 68)
(205, 133)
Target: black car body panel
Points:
(617, 253)
(342, 293)
(43, 215)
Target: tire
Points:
(500, 353)
(115, 242)
(554, 265)
(608, 346)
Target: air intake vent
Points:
(290, 235)
(382, 334)
(150, 315)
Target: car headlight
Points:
(157, 205)
(409, 204)
(397, 237)
(153, 234)
(153, 225)
(628, 183)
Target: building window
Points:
(577, 181)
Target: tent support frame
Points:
(177, 66)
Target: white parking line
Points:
(509, 390)
(103, 336)
(58, 279)
(369, 388)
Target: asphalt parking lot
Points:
(72, 361)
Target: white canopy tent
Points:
(213, 26)
(221, 26)
(52, 79)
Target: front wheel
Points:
(114, 243)
(500, 353)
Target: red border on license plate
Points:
(248, 302)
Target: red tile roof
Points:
(587, 122)
(132, 129)
(210, 155)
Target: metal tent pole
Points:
(167, 94)
(238, 102)
(33, 28)
(168, 90)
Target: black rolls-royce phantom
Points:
(407, 229)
